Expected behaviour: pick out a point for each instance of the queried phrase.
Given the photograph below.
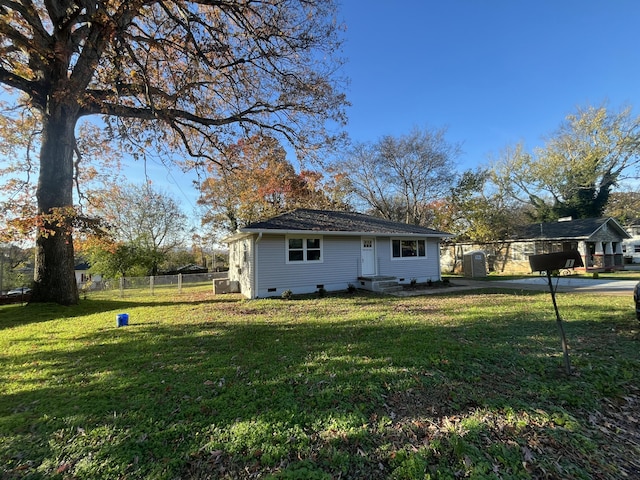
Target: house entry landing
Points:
(379, 283)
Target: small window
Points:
(301, 249)
(636, 248)
(408, 248)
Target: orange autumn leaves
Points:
(254, 180)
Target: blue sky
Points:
(494, 72)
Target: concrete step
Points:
(392, 289)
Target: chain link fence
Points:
(155, 284)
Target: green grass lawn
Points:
(346, 386)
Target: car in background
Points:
(19, 292)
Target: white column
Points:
(599, 250)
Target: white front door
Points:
(368, 257)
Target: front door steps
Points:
(380, 284)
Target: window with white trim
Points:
(304, 249)
(408, 248)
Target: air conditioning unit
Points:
(224, 285)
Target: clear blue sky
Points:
(495, 72)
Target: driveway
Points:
(563, 284)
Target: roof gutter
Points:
(260, 232)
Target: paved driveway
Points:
(565, 284)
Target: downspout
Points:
(255, 264)
(439, 259)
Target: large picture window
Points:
(408, 248)
(304, 249)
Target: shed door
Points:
(368, 257)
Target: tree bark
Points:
(54, 275)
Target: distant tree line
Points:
(580, 171)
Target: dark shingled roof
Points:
(572, 229)
(333, 221)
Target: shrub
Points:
(287, 294)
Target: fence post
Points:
(151, 283)
(121, 287)
(179, 283)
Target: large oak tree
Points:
(178, 74)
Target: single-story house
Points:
(307, 250)
(86, 280)
(186, 270)
(599, 241)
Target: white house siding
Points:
(339, 267)
(241, 263)
(88, 281)
(422, 269)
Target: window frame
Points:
(417, 249)
(305, 249)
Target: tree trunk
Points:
(54, 275)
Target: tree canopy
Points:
(574, 173)
(174, 74)
(257, 182)
(397, 177)
(474, 211)
(144, 226)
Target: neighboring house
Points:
(307, 250)
(186, 270)
(86, 280)
(599, 241)
(631, 246)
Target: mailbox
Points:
(555, 261)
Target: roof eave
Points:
(249, 231)
(235, 236)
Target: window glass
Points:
(408, 248)
(421, 248)
(313, 255)
(295, 243)
(396, 248)
(304, 249)
(296, 255)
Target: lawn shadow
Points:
(16, 315)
